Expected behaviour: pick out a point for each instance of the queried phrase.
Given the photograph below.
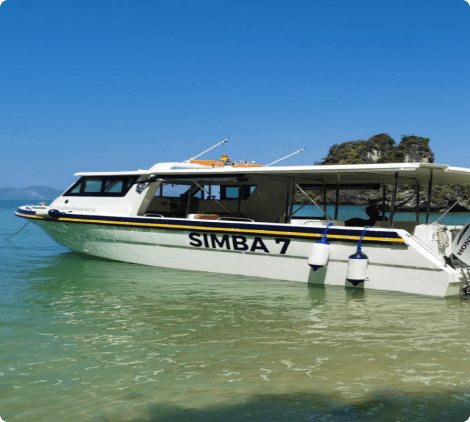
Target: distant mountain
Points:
(33, 192)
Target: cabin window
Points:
(230, 192)
(92, 185)
(101, 186)
(219, 192)
(234, 192)
(114, 186)
(192, 197)
(175, 190)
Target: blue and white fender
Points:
(320, 251)
(357, 264)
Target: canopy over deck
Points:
(344, 174)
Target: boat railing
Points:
(236, 219)
(322, 223)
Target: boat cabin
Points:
(262, 194)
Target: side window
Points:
(75, 189)
(113, 186)
(212, 191)
(101, 186)
(92, 185)
(169, 190)
(208, 192)
(231, 192)
(247, 190)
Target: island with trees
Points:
(382, 148)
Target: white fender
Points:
(320, 251)
(319, 255)
(357, 263)
(357, 268)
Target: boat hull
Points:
(395, 264)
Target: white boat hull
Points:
(420, 271)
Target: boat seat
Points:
(204, 216)
(409, 226)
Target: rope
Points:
(14, 234)
(441, 233)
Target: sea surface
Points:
(85, 339)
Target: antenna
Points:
(287, 156)
(207, 150)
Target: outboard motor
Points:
(461, 245)
(461, 253)
(320, 251)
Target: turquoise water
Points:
(84, 339)
(351, 211)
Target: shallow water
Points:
(92, 340)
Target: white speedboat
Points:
(247, 220)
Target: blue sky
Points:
(97, 85)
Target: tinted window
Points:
(101, 186)
(92, 185)
(232, 192)
(114, 186)
(175, 190)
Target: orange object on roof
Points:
(224, 161)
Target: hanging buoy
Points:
(357, 264)
(320, 251)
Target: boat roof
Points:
(328, 174)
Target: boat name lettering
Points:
(86, 209)
(235, 242)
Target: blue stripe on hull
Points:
(304, 232)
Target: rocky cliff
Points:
(382, 148)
